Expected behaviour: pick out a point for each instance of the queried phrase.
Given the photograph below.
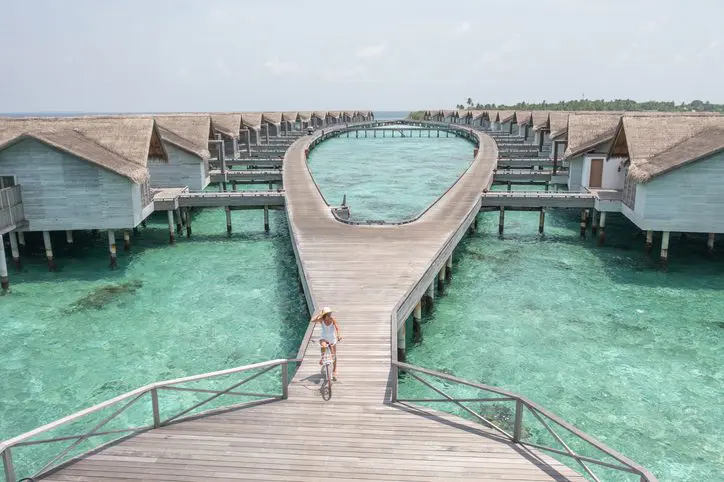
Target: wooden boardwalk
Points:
(363, 273)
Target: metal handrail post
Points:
(518, 428)
(156, 412)
(285, 381)
(8, 466)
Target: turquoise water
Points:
(598, 335)
(86, 334)
(388, 179)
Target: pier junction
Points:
(377, 277)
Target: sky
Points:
(252, 55)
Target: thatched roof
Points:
(656, 144)
(227, 124)
(290, 116)
(75, 143)
(251, 119)
(540, 119)
(558, 123)
(587, 130)
(272, 117)
(522, 117)
(334, 114)
(492, 115)
(188, 132)
(130, 137)
(506, 116)
(304, 116)
(320, 114)
(477, 114)
(350, 113)
(464, 113)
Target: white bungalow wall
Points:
(688, 199)
(183, 169)
(62, 192)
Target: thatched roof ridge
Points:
(188, 132)
(227, 124)
(477, 114)
(320, 114)
(290, 116)
(304, 116)
(272, 117)
(540, 119)
(251, 119)
(522, 117)
(334, 114)
(75, 143)
(464, 113)
(127, 136)
(493, 115)
(587, 130)
(506, 115)
(653, 141)
(350, 113)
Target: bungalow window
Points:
(629, 192)
(7, 181)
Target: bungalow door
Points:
(596, 178)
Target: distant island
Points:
(592, 104)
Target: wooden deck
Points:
(363, 273)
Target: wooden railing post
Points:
(285, 380)
(395, 376)
(154, 404)
(8, 466)
(518, 428)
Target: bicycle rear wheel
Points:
(327, 382)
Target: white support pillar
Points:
(69, 236)
(665, 250)
(112, 248)
(441, 280)
(417, 322)
(401, 344)
(126, 240)
(542, 220)
(448, 268)
(501, 221)
(4, 280)
(266, 218)
(594, 222)
(14, 249)
(583, 224)
(430, 294)
(709, 243)
(21, 238)
(179, 224)
(188, 222)
(49, 250)
(171, 235)
(649, 241)
(228, 220)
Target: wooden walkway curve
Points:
(364, 273)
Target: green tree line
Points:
(593, 104)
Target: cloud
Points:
(343, 73)
(371, 51)
(280, 67)
(714, 45)
(462, 28)
(649, 27)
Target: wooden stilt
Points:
(69, 236)
(15, 251)
(179, 224)
(21, 238)
(135, 231)
(583, 224)
(266, 219)
(112, 248)
(665, 250)
(143, 223)
(228, 220)
(171, 236)
(448, 268)
(602, 229)
(4, 280)
(709, 243)
(649, 241)
(430, 295)
(541, 220)
(188, 222)
(501, 221)
(441, 281)
(49, 250)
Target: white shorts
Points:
(329, 342)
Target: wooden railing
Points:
(123, 402)
(552, 424)
(12, 214)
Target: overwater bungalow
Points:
(448, 115)
(463, 116)
(319, 118)
(671, 169)
(506, 120)
(540, 126)
(82, 173)
(186, 139)
(589, 136)
(290, 122)
(272, 123)
(251, 121)
(493, 120)
(557, 134)
(305, 119)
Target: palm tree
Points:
(470, 102)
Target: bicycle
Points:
(327, 373)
